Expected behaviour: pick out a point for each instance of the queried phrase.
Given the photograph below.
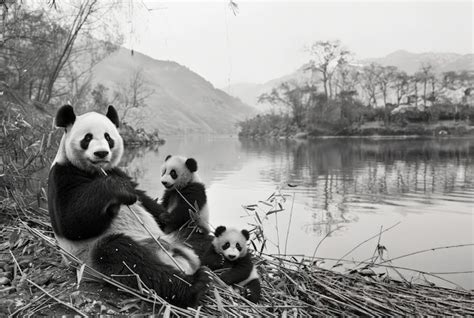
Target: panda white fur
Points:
(183, 188)
(229, 252)
(88, 197)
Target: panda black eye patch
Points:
(173, 174)
(109, 139)
(86, 141)
(226, 246)
(239, 248)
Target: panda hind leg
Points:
(182, 290)
(252, 290)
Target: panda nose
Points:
(101, 154)
(164, 183)
(232, 256)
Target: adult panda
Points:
(88, 197)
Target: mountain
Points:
(411, 62)
(404, 60)
(249, 92)
(180, 100)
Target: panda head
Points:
(91, 141)
(178, 171)
(231, 243)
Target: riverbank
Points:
(35, 281)
(139, 137)
(374, 129)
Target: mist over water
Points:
(346, 189)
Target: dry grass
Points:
(41, 283)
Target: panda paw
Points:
(164, 218)
(221, 261)
(201, 283)
(127, 198)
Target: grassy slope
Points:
(182, 100)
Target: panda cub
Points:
(87, 199)
(184, 192)
(229, 252)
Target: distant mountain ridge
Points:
(410, 62)
(404, 60)
(182, 101)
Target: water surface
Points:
(347, 190)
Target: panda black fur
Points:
(179, 174)
(90, 219)
(229, 252)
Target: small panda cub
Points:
(229, 252)
(184, 192)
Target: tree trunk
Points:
(424, 93)
(325, 82)
(416, 94)
(3, 55)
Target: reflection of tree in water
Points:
(333, 173)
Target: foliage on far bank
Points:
(139, 136)
(339, 97)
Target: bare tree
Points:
(369, 77)
(42, 46)
(385, 78)
(425, 74)
(400, 84)
(414, 80)
(131, 97)
(326, 57)
(291, 96)
(347, 79)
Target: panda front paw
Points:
(127, 198)
(201, 283)
(221, 261)
(164, 218)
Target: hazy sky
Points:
(266, 39)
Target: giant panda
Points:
(88, 198)
(183, 192)
(228, 252)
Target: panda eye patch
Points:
(226, 246)
(86, 141)
(239, 248)
(173, 174)
(110, 141)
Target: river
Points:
(336, 194)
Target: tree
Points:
(400, 84)
(132, 96)
(100, 97)
(292, 96)
(425, 75)
(41, 42)
(326, 57)
(414, 79)
(347, 79)
(369, 77)
(385, 78)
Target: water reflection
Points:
(334, 174)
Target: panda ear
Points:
(112, 115)
(246, 234)
(192, 165)
(219, 230)
(65, 116)
(167, 157)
